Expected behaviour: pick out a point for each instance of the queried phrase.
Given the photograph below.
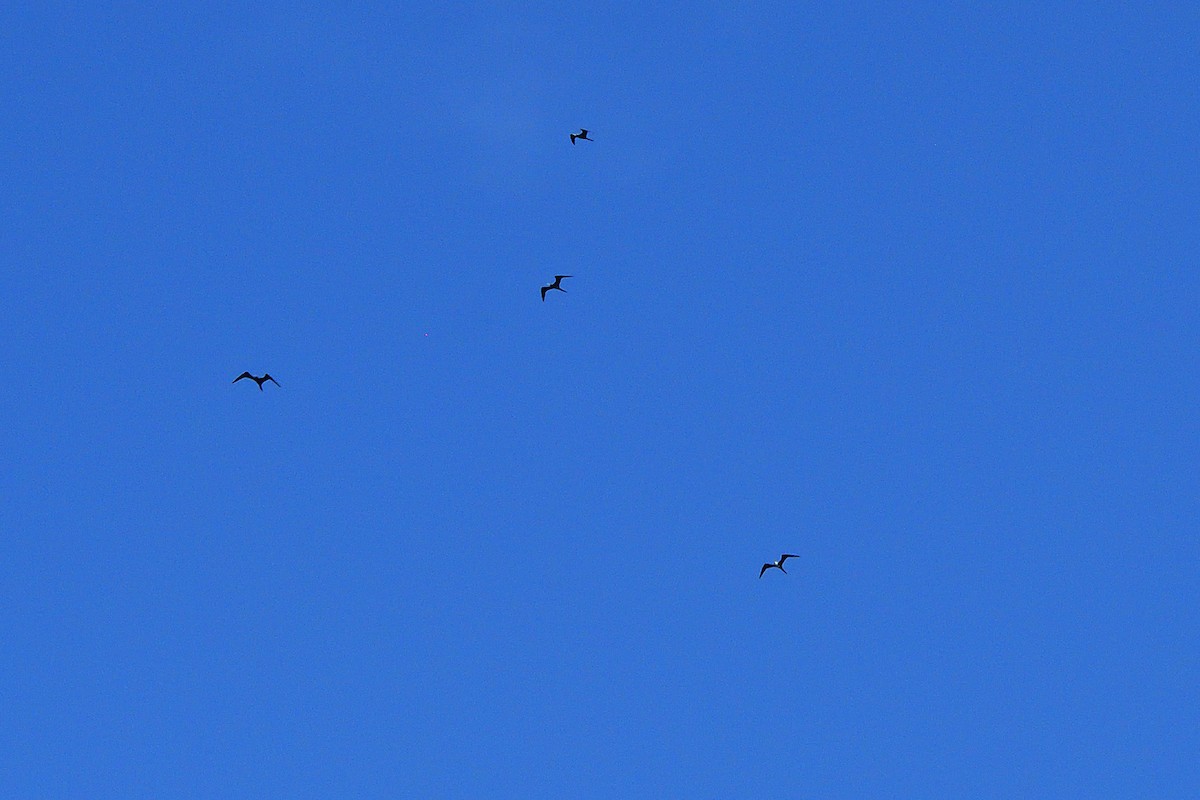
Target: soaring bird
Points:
(557, 280)
(581, 135)
(778, 564)
(259, 381)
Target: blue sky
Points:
(907, 290)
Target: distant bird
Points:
(557, 280)
(581, 135)
(259, 381)
(778, 564)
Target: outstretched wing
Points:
(786, 556)
(573, 137)
(544, 290)
(272, 380)
(558, 278)
(764, 569)
(243, 375)
(583, 133)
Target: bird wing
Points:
(558, 278)
(243, 375)
(786, 556)
(272, 380)
(764, 569)
(544, 290)
(573, 137)
(583, 133)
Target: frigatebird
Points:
(778, 564)
(557, 280)
(259, 381)
(581, 135)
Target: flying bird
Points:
(778, 564)
(259, 381)
(555, 285)
(581, 135)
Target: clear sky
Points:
(910, 291)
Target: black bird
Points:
(581, 135)
(557, 280)
(778, 564)
(259, 381)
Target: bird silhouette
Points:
(778, 564)
(581, 135)
(557, 280)
(259, 381)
